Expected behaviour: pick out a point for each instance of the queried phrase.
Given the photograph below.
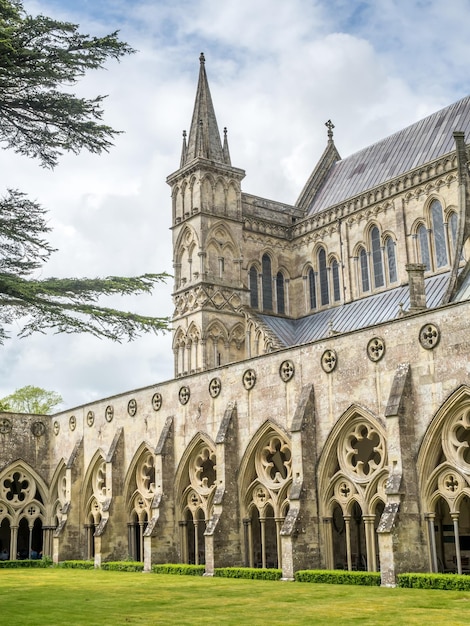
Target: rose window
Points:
(457, 442)
(203, 471)
(364, 451)
(146, 476)
(100, 480)
(17, 488)
(275, 461)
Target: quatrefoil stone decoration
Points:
(376, 349)
(286, 370)
(56, 428)
(90, 418)
(157, 401)
(38, 428)
(249, 379)
(429, 336)
(109, 413)
(132, 407)
(329, 360)
(184, 395)
(72, 422)
(215, 387)
(5, 426)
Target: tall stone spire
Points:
(204, 137)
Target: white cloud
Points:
(278, 70)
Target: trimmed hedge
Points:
(77, 564)
(179, 568)
(25, 563)
(123, 566)
(450, 582)
(338, 577)
(248, 572)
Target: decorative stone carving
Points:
(145, 476)
(273, 462)
(109, 413)
(72, 422)
(429, 336)
(286, 370)
(202, 470)
(90, 418)
(329, 360)
(184, 395)
(249, 379)
(17, 488)
(157, 401)
(132, 407)
(56, 428)
(376, 349)
(215, 387)
(38, 428)
(456, 439)
(5, 426)
(363, 452)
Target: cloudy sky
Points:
(278, 70)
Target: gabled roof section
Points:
(204, 137)
(407, 149)
(319, 174)
(375, 309)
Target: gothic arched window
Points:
(364, 267)
(438, 230)
(423, 242)
(281, 307)
(267, 284)
(453, 221)
(311, 289)
(323, 271)
(253, 276)
(336, 286)
(391, 259)
(377, 263)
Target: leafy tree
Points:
(32, 400)
(40, 58)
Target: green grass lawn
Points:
(74, 597)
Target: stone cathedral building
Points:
(319, 414)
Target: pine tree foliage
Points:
(40, 58)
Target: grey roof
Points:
(407, 149)
(374, 309)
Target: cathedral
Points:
(319, 414)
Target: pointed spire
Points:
(204, 138)
(226, 151)
(184, 150)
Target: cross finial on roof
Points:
(202, 58)
(329, 124)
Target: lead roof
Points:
(405, 150)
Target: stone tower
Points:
(208, 321)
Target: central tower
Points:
(209, 295)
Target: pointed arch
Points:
(265, 478)
(218, 335)
(352, 471)
(139, 491)
(23, 500)
(195, 484)
(267, 283)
